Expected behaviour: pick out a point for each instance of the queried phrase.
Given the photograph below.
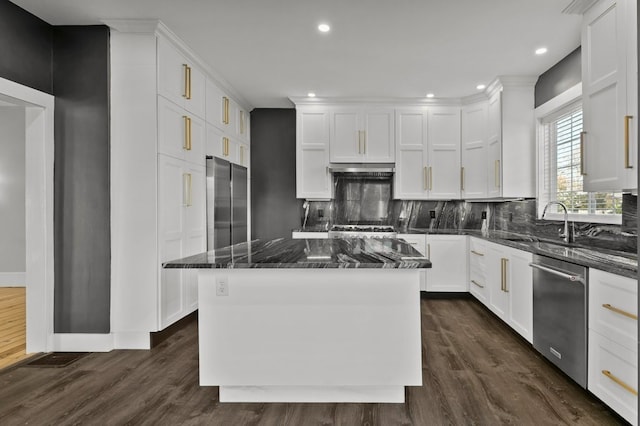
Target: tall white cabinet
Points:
(159, 140)
(610, 95)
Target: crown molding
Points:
(382, 102)
(578, 7)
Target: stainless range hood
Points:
(363, 169)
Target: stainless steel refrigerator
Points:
(226, 203)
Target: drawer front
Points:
(613, 306)
(478, 283)
(613, 375)
(477, 251)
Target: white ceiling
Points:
(269, 50)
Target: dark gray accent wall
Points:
(82, 244)
(275, 211)
(25, 48)
(560, 77)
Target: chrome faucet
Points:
(567, 235)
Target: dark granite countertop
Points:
(309, 253)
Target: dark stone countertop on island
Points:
(363, 253)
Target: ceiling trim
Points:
(303, 100)
(578, 7)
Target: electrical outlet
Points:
(320, 213)
(432, 214)
(222, 286)
(484, 215)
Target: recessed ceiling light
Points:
(311, 95)
(541, 51)
(481, 87)
(430, 95)
(324, 28)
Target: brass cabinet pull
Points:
(187, 77)
(462, 178)
(627, 119)
(476, 283)
(225, 110)
(503, 265)
(620, 382)
(430, 178)
(225, 146)
(477, 253)
(242, 155)
(429, 251)
(364, 141)
(359, 141)
(497, 173)
(424, 178)
(582, 136)
(242, 122)
(187, 189)
(186, 145)
(619, 311)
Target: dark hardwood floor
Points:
(476, 372)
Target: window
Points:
(560, 172)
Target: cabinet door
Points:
(243, 155)
(418, 242)
(604, 95)
(630, 178)
(195, 236)
(196, 101)
(497, 273)
(444, 153)
(494, 146)
(378, 138)
(195, 152)
(474, 151)
(173, 137)
(313, 180)
(410, 181)
(172, 72)
(519, 286)
(448, 254)
(477, 270)
(171, 209)
(215, 142)
(215, 105)
(347, 137)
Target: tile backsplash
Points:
(514, 216)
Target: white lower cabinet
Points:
(449, 270)
(418, 242)
(613, 355)
(510, 287)
(181, 231)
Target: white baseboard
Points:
(131, 340)
(82, 342)
(13, 279)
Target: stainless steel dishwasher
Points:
(560, 315)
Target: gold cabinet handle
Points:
(477, 253)
(582, 137)
(364, 141)
(503, 266)
(627, 120)
(242, 155)
(497, 173)
(187, 133)
(620, 382)
(476, 283)
(225, 110)
(462, 178)
(242, 122)
(359, 142)
(424, 178)
(187, 77)
(187, 189)
(429, 251)
(430, 178)
(619, 311)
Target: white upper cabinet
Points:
(179, 80)
(313, 180)
(362, 135)
(609, 87)
(474, 150)
(427, 153)
(494, 145)
(180, 134)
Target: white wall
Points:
(12, 196)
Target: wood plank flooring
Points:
(12, 325)
(476, 371)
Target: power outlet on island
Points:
(222, 286)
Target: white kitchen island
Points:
(310, 320)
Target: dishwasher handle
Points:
(564, 275)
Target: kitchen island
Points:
(286, 320)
